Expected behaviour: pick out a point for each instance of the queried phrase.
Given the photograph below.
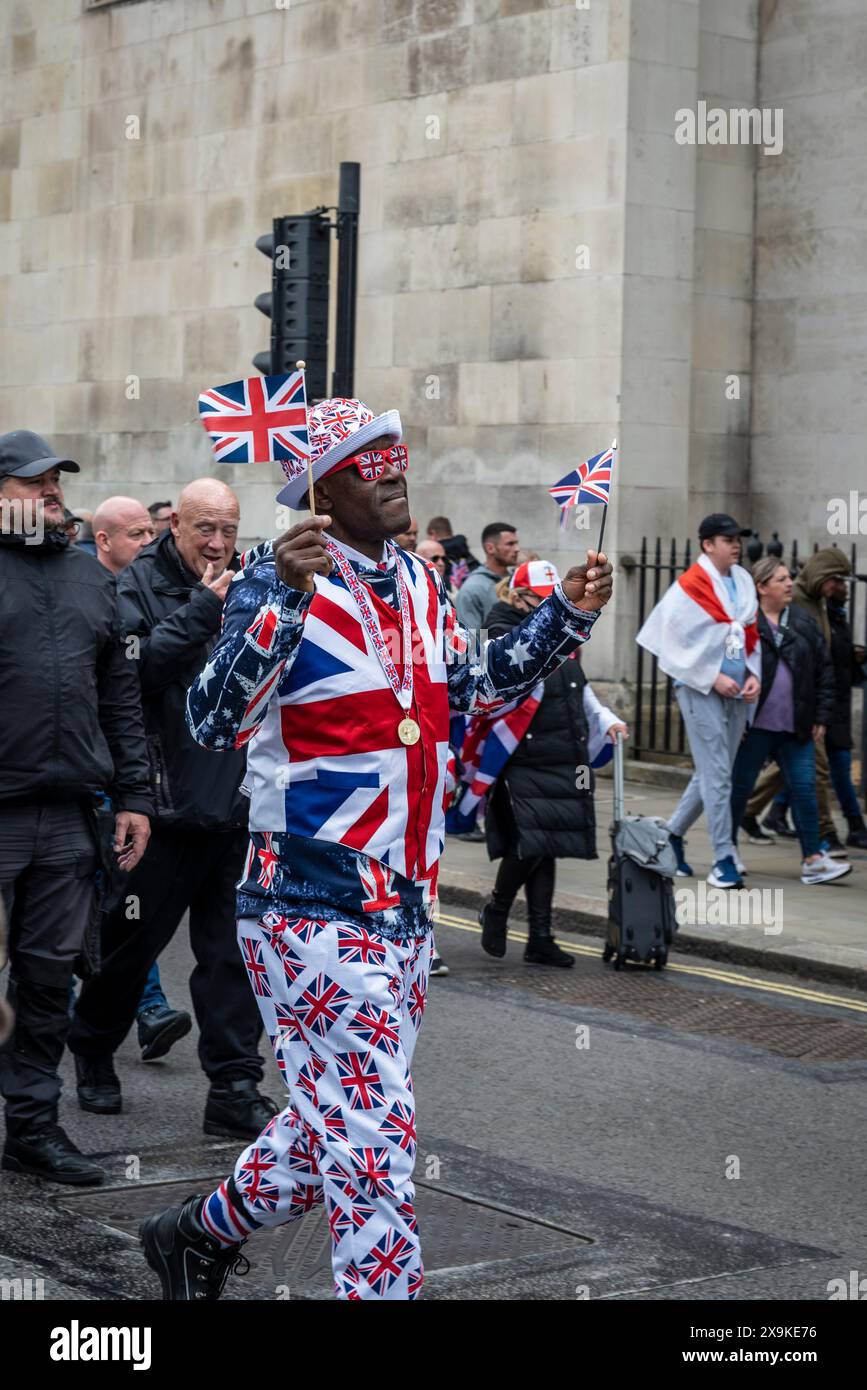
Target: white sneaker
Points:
(824, 870)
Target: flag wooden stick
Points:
(300, 366)
(602, 527)
(604, 512)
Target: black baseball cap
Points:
(720, 524)
(24, 454)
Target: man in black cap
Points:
(704, 634)
(72, 726)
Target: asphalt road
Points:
(576, 1131)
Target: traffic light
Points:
(297, 303)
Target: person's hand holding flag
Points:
(590, 586)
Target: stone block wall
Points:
(144, 146)
(542, 266)
(810, 408)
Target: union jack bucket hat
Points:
(337, 428)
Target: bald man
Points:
(121, 528)
(171, 602)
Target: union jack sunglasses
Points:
(372, 463)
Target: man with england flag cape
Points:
(704, 634)
(340, 662)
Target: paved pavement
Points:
(689, 1135)
(818, 931)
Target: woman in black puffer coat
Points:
(541, 805)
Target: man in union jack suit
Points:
(339, 664)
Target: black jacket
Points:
(70, 711)
(805, 652)
(535, 807)
(178, 621)
(847, 673)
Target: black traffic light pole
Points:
(348, 208)
(297, 302)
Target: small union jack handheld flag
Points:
(589, 483)
(262, 419)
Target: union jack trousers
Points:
(342, 1007)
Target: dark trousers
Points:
(48, 861)
(182, 870)
(840, 764)
(536, 877)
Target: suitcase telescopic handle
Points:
(618, 778)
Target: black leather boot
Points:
(98, 1085)
(857, 837)
(46, 1151)
(159, 1028)
(494, 916)
(189, 1263)
(494, 922)
(541, 948)
(236, 1110)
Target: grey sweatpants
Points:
(715, 727)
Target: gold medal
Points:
(408, 731)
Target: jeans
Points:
(771, 784)
(840, 763)
(152, 994)
(798, 764)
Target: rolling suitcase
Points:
(641, 916)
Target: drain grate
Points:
(456, 1231)
(654, 999)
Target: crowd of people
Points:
(130, 656)
(768, 717)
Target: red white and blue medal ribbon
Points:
(402, 687)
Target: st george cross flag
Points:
(589, 483)
(262, 419)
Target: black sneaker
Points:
(46, 1151)
(236, 1109)
(438, 966)
(98, 1085)
(777, 822)
(543, 950)
(189, 1264)
(159, 1028)
(754, 832)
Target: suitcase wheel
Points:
(617, 963)
(659, 963)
